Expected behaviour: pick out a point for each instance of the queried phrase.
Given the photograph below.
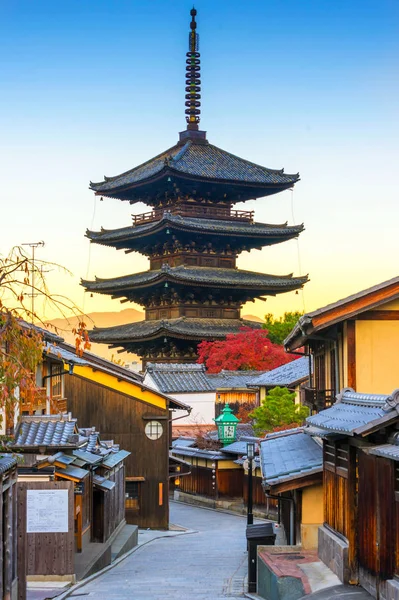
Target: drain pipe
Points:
(292, 513)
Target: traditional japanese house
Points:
(187, 383)
(359, 540)
(8, 531)
(206, 394)
(220, 475)
(64, 453)
(292, 375)
(353, 343)
(118, 404)
(192, 236)
(292, 473)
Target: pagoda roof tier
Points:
(198, 169)
(183, 328)
(235, 233)
(242, 282)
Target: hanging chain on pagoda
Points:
(193, 80)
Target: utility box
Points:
(259, 534)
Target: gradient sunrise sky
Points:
(96, 87)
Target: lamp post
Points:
(227, 425)
(250, 457)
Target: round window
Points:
(153, 430)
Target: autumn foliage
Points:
(248, 349)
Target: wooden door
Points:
(377, 519)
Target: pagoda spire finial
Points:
(193, 80)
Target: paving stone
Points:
(210, 564)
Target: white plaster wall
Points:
(202, 403)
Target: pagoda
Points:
(192, 235)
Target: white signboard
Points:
(46, 511)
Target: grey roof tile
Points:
(179, 378)
(45, 430)
(287, 457)
(196, 328)
(190, 224)
(198, 276)
(199, 160)
(114, 458)
(390, 451)
(354, 410)
(7, 462)
(62, 354)
(285, 375)
(183, 442)
(72, 471)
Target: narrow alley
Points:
(209, 563)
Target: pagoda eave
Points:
(181, 328)
(171, 182)
(238, 282)
(236, 233)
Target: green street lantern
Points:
(227, 425)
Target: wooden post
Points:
(352, 518)
(351, 344)
(22, 541)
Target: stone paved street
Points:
(208, 564)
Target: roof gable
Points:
(343, 309)
(357, 414)
(289, 456)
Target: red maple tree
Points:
(248, 349)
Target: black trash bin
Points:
(257, 535)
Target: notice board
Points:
(46, 511)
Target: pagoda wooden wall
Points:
(122, 418)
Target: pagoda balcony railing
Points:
(316, 399)
(32, 400)
(208, 212)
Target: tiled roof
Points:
(72, 471)
(390, 451)
(240, 447)
(202, 161)
(190, 224)
(179, 378)
(115, 458)
(182, 327)
(63, 354)
(7, 462)
(350, 307)
(200, 453)
(356, 413)
(87, 457)
(183, 442)
(46, 430)
(104, 484)
(233, 379)
(289, 457)
(285, 375)
(199, 276)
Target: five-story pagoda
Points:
(192, 236)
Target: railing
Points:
(58, 404)
(315, 399)
(33, 400)
(209, 212)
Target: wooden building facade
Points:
(139, 419)
(353, 344)
(292, 465)
(8, 530)
(359, 540)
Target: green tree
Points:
(278, 409)
(278, 329)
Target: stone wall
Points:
(389, 590)
(333, 551)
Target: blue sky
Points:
(93, 88)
